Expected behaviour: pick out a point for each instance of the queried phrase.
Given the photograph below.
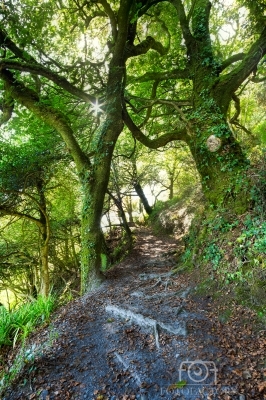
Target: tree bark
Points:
(45, 238)
(222, 168)
(142, 197)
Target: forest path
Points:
(140, 333)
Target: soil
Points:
(146, 334)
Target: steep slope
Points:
(144, 335)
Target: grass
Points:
(17, 324)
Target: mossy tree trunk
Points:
(219, 158)
(95, 180)
(94, 185)
(44, 227)
(221, 163)
(93, 173)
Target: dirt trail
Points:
(138, 335)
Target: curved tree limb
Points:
(144, 46)
(257, 79)
(152, 143)
(231, 60)
(8, 211)
(5, 41)
(184, 23)
(235, 78)
(246, 130)
(38, 69)
(149, 109)
(147, 5)
(29, 98)
(151, 101)
(237, 107)
(112, 17)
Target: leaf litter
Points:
(114, 343)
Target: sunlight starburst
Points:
(97, 107)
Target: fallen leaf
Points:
(261, 386)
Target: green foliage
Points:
(180, 86)
(230, 251)
(17, 324)
(213, 254)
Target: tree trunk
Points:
(130, 210)
(221, 164)
(119, 205)
(44, 270)
(45, 237)
(171, 187)
(94, 184)
(142, 197)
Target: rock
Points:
(177, 218)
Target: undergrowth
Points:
(15, 327)
(228, 252)
(17, 324)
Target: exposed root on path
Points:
(141, 332)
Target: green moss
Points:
(228, 253)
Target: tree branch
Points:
(155, 143)
(147, 6)
(149, 103)
(144, 47)
(6, 107)
(5, 41)
(237, 107)
(237, 123)
(112, 17)
(231, 60)
(149, 109)
(256, 79)
(184, 23)
(38, 69)
(235, 78)
(29, 98)
(8, 211)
